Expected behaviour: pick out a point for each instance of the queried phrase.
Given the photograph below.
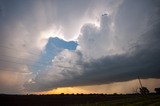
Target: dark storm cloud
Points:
(143, 62)
(124, 46)
(135, 44)
(143, 56)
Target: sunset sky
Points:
(79, 46)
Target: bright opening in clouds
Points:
(84, 44)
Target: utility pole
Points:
(140, 82)
(143, 90)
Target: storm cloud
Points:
(116, 42)
(124, 46)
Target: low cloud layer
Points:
(117, 87)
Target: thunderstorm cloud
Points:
(50, 44)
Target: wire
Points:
(23, 59)
(7, 61)
(40, 64)
(16, 50)
(34, 54)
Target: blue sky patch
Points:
(53, 47)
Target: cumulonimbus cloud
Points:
(122, 48)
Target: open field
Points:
(131, 101)
(80, 100)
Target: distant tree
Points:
(115, 94)
(144, 91)
(157, 90)
(135, 90)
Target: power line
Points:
(7, 61)
(29, 65)
(23, 59)
(32, 53)
(40, 64)
(13, 70)
(16, 50)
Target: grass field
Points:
(80, 100)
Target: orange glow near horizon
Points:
(65, 90)
(118, 87)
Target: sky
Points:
(79, 46)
